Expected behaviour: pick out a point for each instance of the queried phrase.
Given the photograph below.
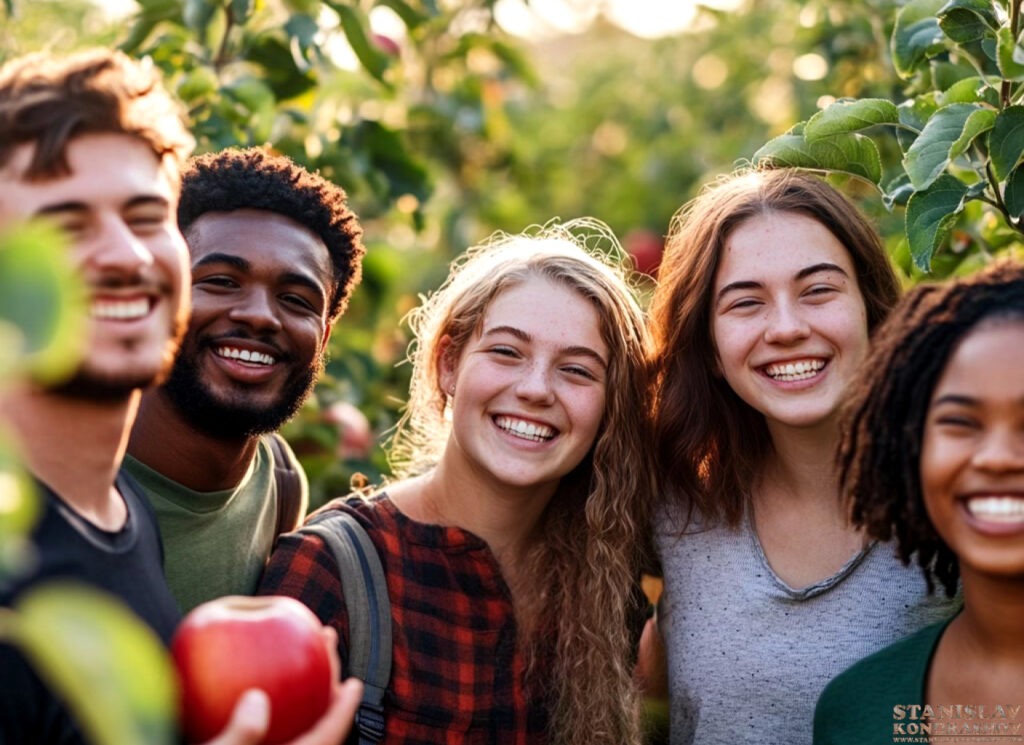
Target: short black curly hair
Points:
(255, 179)
(880, 453)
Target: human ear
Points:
(447, 367)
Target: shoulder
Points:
(868, 694)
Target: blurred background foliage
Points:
(448, 119)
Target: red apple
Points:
(228, 645)
(646, 247)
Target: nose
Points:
(118, 250)
(785, 324)
(256, 309)
(535, 385)
(1000, 451)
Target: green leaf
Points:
(411, 17)
(965, 21)
(355, 26)
(1009, 55)
(850, 153)
(241, 10)
(917, 35)
(897, 191)
(19, 511)
(946, 135)
(198, 14)
(850, 116)
(42, 304)
(930, 215)
(111, 669)
(152, 14)
(970, 90)
(1006, 142)
(1013, 195)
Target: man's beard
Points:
(236, 418)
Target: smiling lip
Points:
(995, 514)
(796, 370)
(121, 308)
(525, 429)
(246, 361)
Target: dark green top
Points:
(868, 704)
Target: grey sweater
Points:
(749, 655)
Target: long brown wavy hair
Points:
(710, 443)
(583, 569)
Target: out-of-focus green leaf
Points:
(1009, 55)
(42, 304)
(1013, 195)
(152, 13)
(851, 153)
(198, 14)
(1006, 142)
(850, 116)
(355, 25)
(946, 136)
(916, 35)
(897, 191)
(411, 17)
(19, 510)
(930, 215)
(103, 661)
(241, 10)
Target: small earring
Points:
(451, 390)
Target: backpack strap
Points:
(369, 614)
(292, 499)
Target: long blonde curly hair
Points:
(584, 567)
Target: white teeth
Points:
(526, 430)
(997, 509)
(121, 310)
(790, 371)
(254, 358)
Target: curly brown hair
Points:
(710, 443)
(584, 568)
(49, 100)
(255, 179)
(880, 452)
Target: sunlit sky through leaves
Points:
(647, 18)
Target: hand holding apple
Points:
(233, 644)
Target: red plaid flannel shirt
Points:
(457, 675)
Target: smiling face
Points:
(261, 284)
(529, 387)
(788, 319)
(972, 458)
(117, 205)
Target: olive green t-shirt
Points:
(215, 543)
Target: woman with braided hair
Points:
(934, 459)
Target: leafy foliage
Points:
(959, 128)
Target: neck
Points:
(170, 445)
(504, 518)
(803, 463)
(74, 446)
(990, 620)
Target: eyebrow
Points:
(80, 206)
(244, 265)
(574, 350)
(807, 271)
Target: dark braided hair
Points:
(255, 179)
(880, 452)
